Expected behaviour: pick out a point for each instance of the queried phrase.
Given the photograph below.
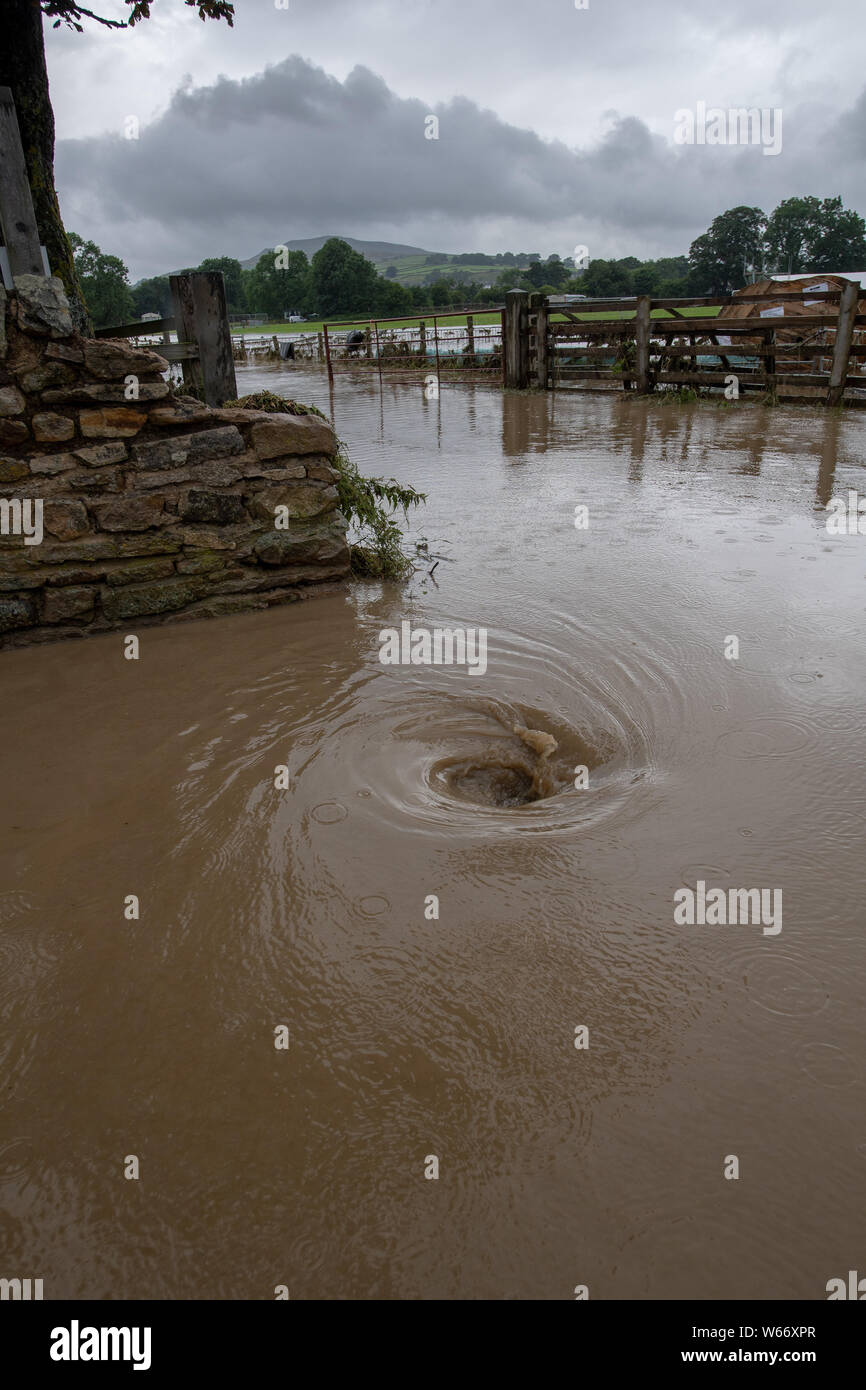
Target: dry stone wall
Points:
(122, 502)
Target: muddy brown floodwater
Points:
(412, 1036)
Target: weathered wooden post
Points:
(328, 353)
(542, 354)
(470, 338)
(17, 218)
(770, 360)
(321, 347)
(422, 338)
(516, 341)
(201, 316)
(642, 343)
(844, 338)
(436, 344)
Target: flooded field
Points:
(412, 1035)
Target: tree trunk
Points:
(22, 68)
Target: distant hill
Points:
(381, 252)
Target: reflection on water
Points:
(436, 904)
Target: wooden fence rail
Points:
(641, 343)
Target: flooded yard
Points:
(476, 960)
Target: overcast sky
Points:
(556, 125)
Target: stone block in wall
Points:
(38, 379)
(66, 519)
(13, 433)
(275, 470)
(180, 413)
(201, 447)
(104, 480)
(108, 391)
(98, 455)
(139, 600)
(110, 358)
(111, 424)
(68, 605)
(292, 434)
(203, 563)
(42, 306)
(12, 470)
(216, 508)
(11, 401)
(323, 545)
(66, 352)
(301, 500)
(130, 513)
(116, 572)
(321, 470)
(170, 477)
(49, 428)
(51, 464)
(16, 612)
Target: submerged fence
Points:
(641, 344)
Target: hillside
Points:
(380, 252)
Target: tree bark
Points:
(22, 68)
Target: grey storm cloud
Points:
(293, 152)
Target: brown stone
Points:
(180, 413)
(51, 374)
(186, 449)
(13, 432)
(96, 424)
(67, 352)
(322, 471)
(16, 613)
(293, 434)
(52, 463)
(138, 571)
(171, 475)
(94, 548)
(98, 455)
(324, 545)
(109, 358)
(52, 429)
(106, 391)
(139, 600)
(129, 513)
(66, 519)
(11, 401)
(275, 470)
(42, 305)
(301, 499)
(68, 605)
(216, 508)
(204, 563)
(11, 470)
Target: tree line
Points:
(740, 246)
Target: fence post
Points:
(542, 356)
(844, 338)
(516, 341)
(200, 313)
(328, 353)
(17, 218)
(470, 338)
(642, 343)
(769, 361)
(321, 347)
(422, 338)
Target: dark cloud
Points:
(292, 151)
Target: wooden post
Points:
(436, 344)
(769, 362)
(642, 343)
(369, 340)
(321, 347)
(17, 218)
(516, 341)
(470, 338)
(502, 345)
(328, 353)
(844, 338)
(200, 311)
(375, 326)
(542, 355)
(422, 338)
